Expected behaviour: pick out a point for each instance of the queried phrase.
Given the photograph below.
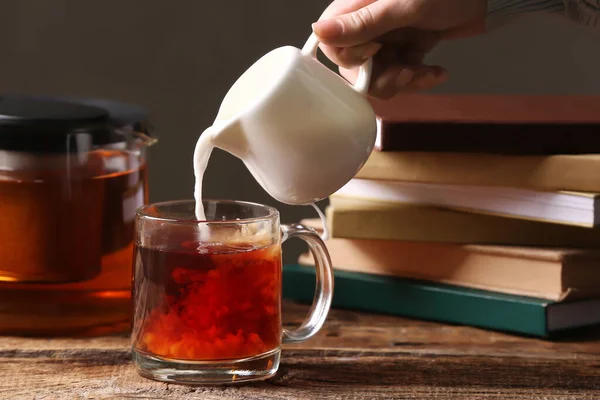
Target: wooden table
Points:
(354, 356)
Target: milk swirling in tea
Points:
(211, 301)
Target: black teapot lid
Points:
(55, 124)
(121, 114)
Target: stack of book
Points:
(475, 210)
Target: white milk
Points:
(202, 152)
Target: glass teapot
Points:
(72, 173)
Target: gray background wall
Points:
(178, 58)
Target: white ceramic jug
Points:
(301, 130)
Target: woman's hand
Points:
(398, 34)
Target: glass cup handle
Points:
(324, 287)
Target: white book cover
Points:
(557, 207)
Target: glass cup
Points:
(207, 294)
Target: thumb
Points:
(364, 24)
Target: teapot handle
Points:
(364, 73)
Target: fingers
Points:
(391, 82)
(426, 78)
(339, 7)
(352, 31)
(348, 57)
(401, 42)
(362, 24)
(401, 79)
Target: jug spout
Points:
(228, 136)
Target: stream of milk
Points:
(202, 152)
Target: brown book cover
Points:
(357, 219)
(549, 273)
(499, 124)
(577, 173)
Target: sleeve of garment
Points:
(583, 12)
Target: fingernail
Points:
(430, 79)
(328, 28)
(363, 51)
(404, 78)
(427, 81)
(383, 83)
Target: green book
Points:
(444, 303)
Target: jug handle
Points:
(364, 73)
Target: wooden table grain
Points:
(356, 355)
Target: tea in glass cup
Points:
(207, 294)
